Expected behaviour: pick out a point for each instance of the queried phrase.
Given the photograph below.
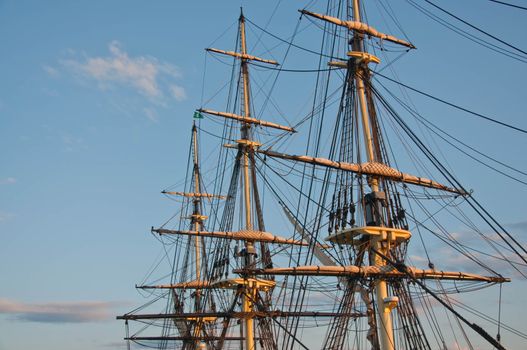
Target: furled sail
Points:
(368, 168)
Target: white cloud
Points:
(8, 181)
(6, 216)
(145, 74)
(52, 72)
(151, 114)
(178, 92)
(59, 312)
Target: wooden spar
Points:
(384, 271)
(368, 168)
(243, 56)
(241, 315)
(195, 284)
(243, 235)
(229, 283)
(190, 337)
(247, 120)
(194, 194)
(359, 27)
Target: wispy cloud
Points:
(8, 181)
(6, 216)
(51, 71)
(71, 142)
(151, 114)
(59, 312)
(147, 75)
(178, 92)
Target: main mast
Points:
(384, 304)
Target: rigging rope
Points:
(454, 105)
(467, 35)
(478, 208)
(508, 4)
(436, 130)
(476, 28)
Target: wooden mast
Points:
(250, 290)
(197, 202)
(247, 286)
(385, 324)
(197, 222)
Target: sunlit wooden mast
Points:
(249, 234)
(197, 217)
(378, 242)
(385, 328)
(197, 222)
(197, 334)
(249, 296)
(247, 146)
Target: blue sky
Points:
(96, 100)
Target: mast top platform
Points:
(353, 235)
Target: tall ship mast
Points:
(310, 250)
